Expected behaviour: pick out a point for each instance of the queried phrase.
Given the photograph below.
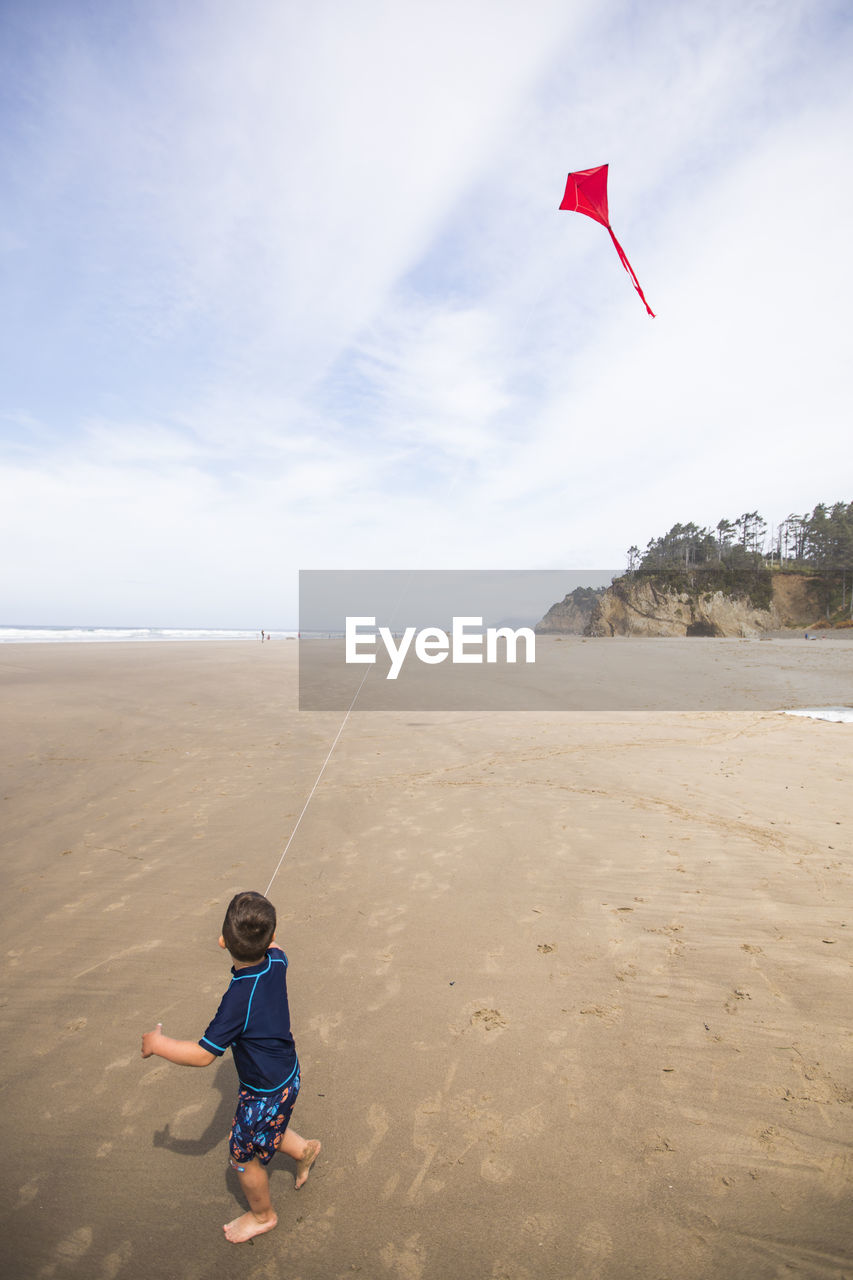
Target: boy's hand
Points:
(186, 1053)
(150, 1039)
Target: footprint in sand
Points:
(389, 916)
(392, 988)
(377, 1119)
(324, 1024)
(151, 1076)
(384, 960)
(114, 1262)
(310, 1240)
(27, 1193)
(596, 1243)
(134, 1105)
(488, 1019)
(74, 1247)
(539, 1226)
(609, 1014)
(405, 1259)
(120, 1062)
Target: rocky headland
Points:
(702, 603)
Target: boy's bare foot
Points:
(243, 1228)
(303, 1166)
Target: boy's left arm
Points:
(186, 1053)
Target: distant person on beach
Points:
(253, 1018)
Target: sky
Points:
(286, 286)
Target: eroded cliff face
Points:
(565, 618)
(642, 606)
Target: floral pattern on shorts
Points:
(260, 1120)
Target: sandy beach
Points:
(571, 992)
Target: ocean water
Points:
(95, 635)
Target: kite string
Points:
(316, 782)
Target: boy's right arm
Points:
(186, 1053)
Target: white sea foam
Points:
(94, 635)
(840, 715)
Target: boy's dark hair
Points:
(248, 926)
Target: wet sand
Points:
(571, 991)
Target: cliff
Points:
(570, 616)
(705, 603)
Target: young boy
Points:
(254, 1019)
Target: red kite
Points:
(586, 192)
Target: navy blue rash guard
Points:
(254, 1019)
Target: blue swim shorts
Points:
(260, 1120)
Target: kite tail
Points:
(626, 264)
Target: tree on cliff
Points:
(686, 545)
(821, 541)
(725, 537)
(753, 531)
